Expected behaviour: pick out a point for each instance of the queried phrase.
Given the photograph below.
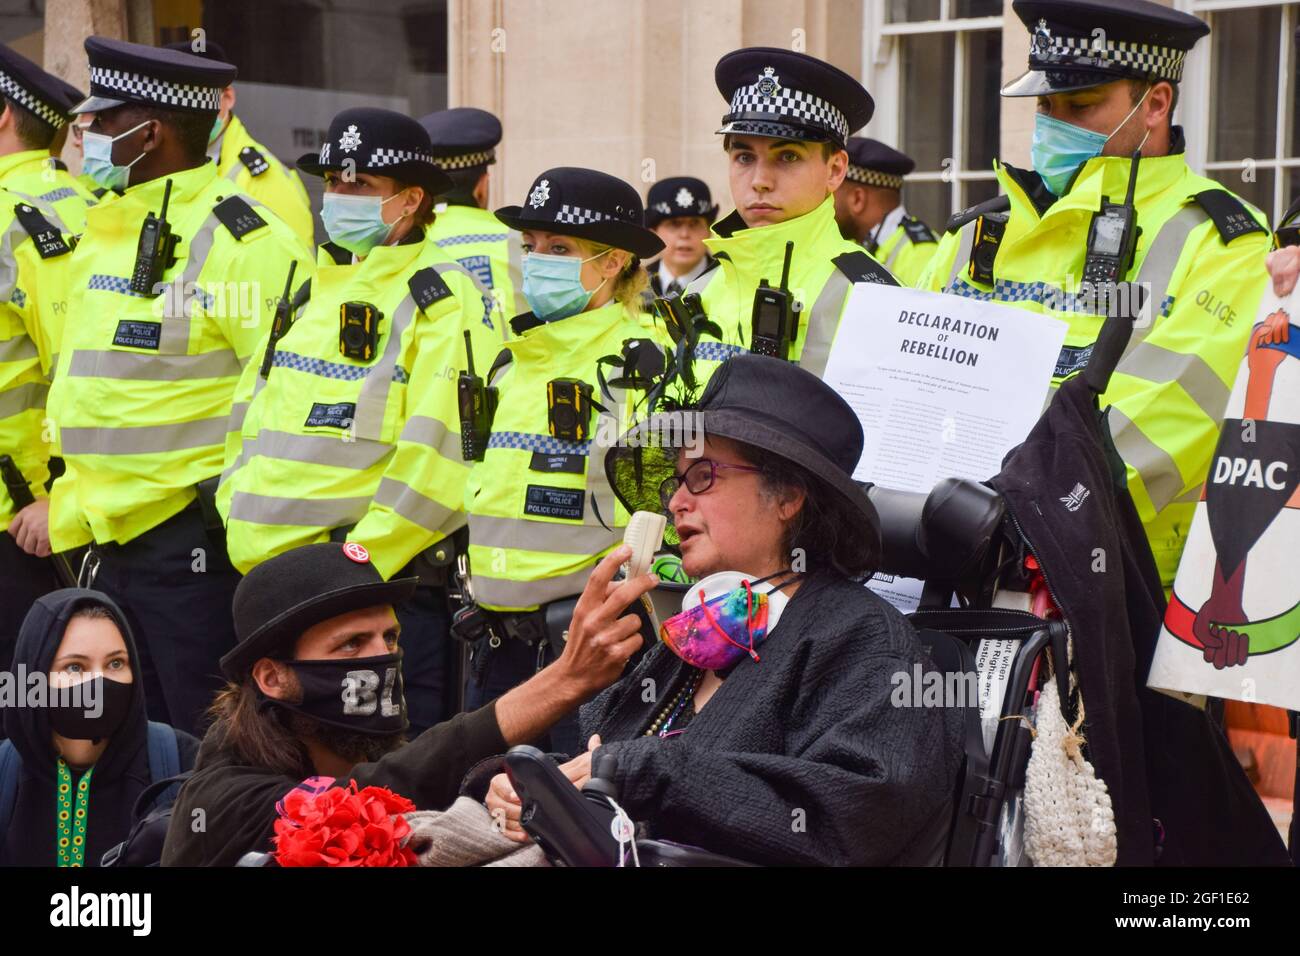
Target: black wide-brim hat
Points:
(782, 94)
(1079, 44)
(282, 597)
(679, 196)
(761, 401)
(382, 143)
(572, 201)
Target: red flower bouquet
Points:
(342, 826)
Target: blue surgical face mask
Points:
(553, 285)
(356, 222)
(1060, 148)
(97, 159)
(217, 125)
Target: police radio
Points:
(280, 324)
(477, 404)
(774, 325)
(359, 330)
(568, 409)
(156, 251)
(19, 488)
(1113, 236)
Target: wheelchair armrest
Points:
(570, 828)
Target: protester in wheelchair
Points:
(761, 726)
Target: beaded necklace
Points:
(672, 710)
(72, 819)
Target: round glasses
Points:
(698, 478)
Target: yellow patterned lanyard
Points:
(72, 817)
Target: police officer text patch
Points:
(138, 335)
(546, 502)
(338, 415)
(572, 464)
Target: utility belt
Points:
(205, 503)
(549, 624)
(435, 566)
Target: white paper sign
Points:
(944, 387)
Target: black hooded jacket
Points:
(121, 772)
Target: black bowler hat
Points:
(42, 94)
(1077, 44)
(872, 163)
(379, 142)
(122, 72)
(787, 95)
(762, 401)
(463, 137)
(679, 196)
(587, 204)
(282, 597)
(211, 49)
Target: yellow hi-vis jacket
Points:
(41, 209)
(487, 248)
(328, 441)
(1200, 258)
(142, 393)
(823, 268)
(536, 503)
(257, 173)
(907, 246)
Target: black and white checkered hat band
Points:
(391, 157)
(1143, 58)
(12, 89)
(576, 215)
(134, 86)
(791, 106)
(466, 160)
(871, 177)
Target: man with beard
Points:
(315, 689)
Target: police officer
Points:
(785, 133)
(352, 430)
(173, 284)
(541, 512)
(869, 208)
(1062, 240)
(253, 168)
(464, 144)
(680, 211)
(41, 207)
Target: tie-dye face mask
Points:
(718, 631)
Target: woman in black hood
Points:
(85, 758)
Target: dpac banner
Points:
(1234, 617)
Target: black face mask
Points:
(68, 708)
(363, 695)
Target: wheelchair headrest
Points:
(942, 536)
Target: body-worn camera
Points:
(568, 409)
(477, 404)
(359, 330)
(156, 251)
(773, 322)
(989, 229)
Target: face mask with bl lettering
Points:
(363, 695)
